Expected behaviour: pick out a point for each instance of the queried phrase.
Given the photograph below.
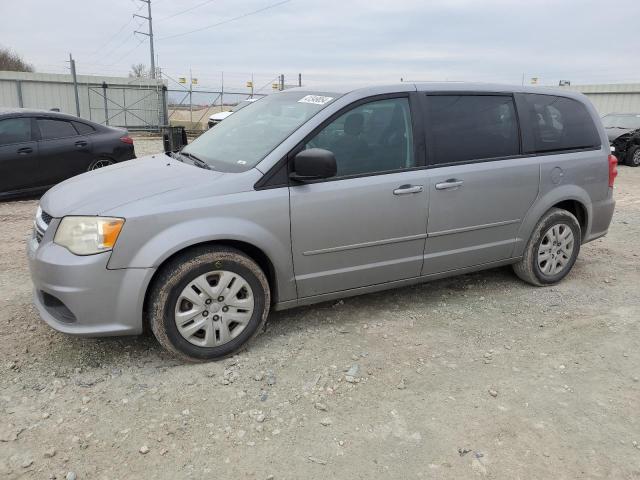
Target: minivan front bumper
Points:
(79, 295)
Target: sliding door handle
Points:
(451, 183)
(407, 189)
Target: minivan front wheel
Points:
(208, 303)
(552, 249)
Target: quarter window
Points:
(83, 128)
(374, 137)
(559, 123)
(471, 127)
(15, 130)
(50, 129)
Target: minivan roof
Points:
(442, 87)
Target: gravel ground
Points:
(474, 376)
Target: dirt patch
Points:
(474, 376)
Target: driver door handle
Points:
(81, 143)
(451, 183)
(407, 189)
(25, 150)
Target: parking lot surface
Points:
(479, 376)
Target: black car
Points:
(623, 130)
(41, 148)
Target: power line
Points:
(117, 47)
(113, 36)
(268, 7)
(185, 11)
(140, 42)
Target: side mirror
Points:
(313, 164)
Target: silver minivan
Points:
(306, 196)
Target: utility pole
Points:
(222, 92)
(72, 66)
(150, 35)
(190, 98)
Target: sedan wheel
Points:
(634, 157)
(100, 163)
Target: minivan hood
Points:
(96, 192)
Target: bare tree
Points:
(10, 61)
(138, 70)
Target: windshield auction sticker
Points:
(317, 99)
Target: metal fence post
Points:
(106, 108)
(165, 107)
(72, 65)
(19, 91)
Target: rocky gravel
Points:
(479, 376)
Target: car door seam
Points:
(374, 243)
(473, 227)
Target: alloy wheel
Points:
(100, 164)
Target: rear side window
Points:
(471, 127)
(15, 130)
(559, 123)
(50, 129)
(83, 128)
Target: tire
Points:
(530, 267)
(218, 337)
(633, 156)
(100, 163)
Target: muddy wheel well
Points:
(578, 210)
(253, 252)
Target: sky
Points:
(334, 41)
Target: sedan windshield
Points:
(629, 122)
(245, 138)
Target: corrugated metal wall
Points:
(131, 102)
(612, 98)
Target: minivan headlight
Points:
(88, 235)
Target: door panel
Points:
(477, 220)
(356, 232)
(63, 153)
(18, 166)
(18, 155)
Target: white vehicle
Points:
(218, 117)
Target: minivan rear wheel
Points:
(552, 249)
(208, 302)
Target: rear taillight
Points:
(127, 139)
(613, 169)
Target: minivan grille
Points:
(43, 219)
(46, 218)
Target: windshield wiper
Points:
(196, 161)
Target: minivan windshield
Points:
(245, 138)
(629, 122)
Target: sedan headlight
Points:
(88, 235)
